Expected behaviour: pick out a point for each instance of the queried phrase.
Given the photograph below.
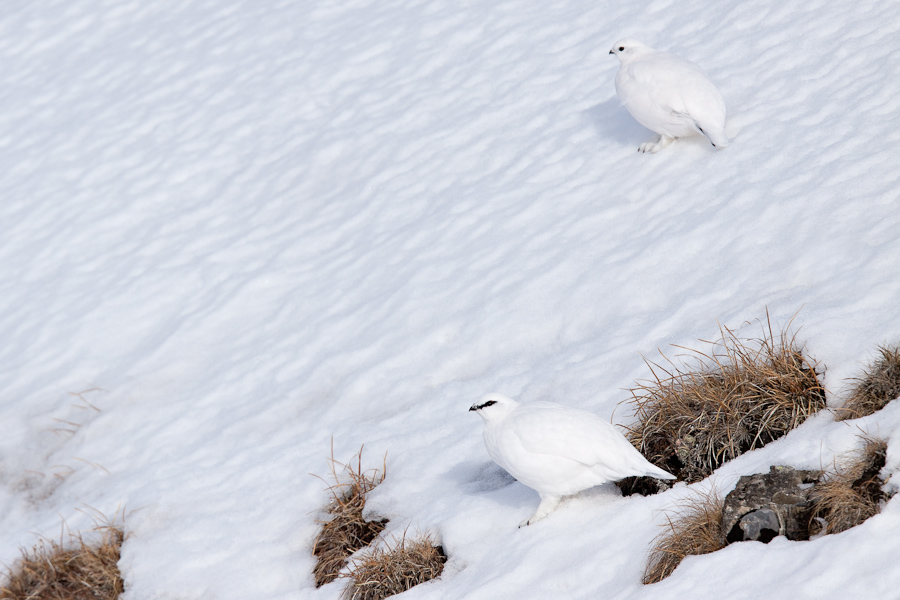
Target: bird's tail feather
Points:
(658, 473)
(715, 135)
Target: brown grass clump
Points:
(741, 396)
(347, 531)
(879, 384)
(386, 572)
(853, 493)
(77, 571)
(695, 530)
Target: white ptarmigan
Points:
(668, 95)
(557, 450)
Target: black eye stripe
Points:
(486, 404)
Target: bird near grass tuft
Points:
(668, 95)
(557, 450)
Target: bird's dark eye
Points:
(488, 403)
(621, 48)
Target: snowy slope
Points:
(241, 229)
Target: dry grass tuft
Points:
(853, 493)
(696, 529)
(879, 384)
(77, 571)
(741, 396)
(386, 572)
(347, 531)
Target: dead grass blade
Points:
(853, 493)
(741, 395)
(878, 385)
(694, 529)
(347, 531)
(385, 572)
(74, 571)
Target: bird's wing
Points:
(673, 83)
(706, 107)
(570, 433)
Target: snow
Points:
(234, 231)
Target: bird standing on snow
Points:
(557, 450)
(668, 95)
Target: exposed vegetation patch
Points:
(74, 571)
(385, 572)
(696, 529)
(878, 385)
(742, 395)
(853, 493)
(347, 531)
(787, 502)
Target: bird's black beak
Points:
(611, 52)
(477, 406)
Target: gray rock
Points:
(769, 504)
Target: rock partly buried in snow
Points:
(645, 486)
(769, 504)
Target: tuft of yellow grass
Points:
(385, 572)
(743, 394)
(74, 571)
(853, 492)
(878, 385)
(347, 531)
(692, 530)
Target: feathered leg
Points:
(548, 505)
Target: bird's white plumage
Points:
(668, 95)
(557, 450)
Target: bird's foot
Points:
(656, 144)
(548, 505)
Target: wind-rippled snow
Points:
(240, 229)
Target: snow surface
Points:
(234, 230)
